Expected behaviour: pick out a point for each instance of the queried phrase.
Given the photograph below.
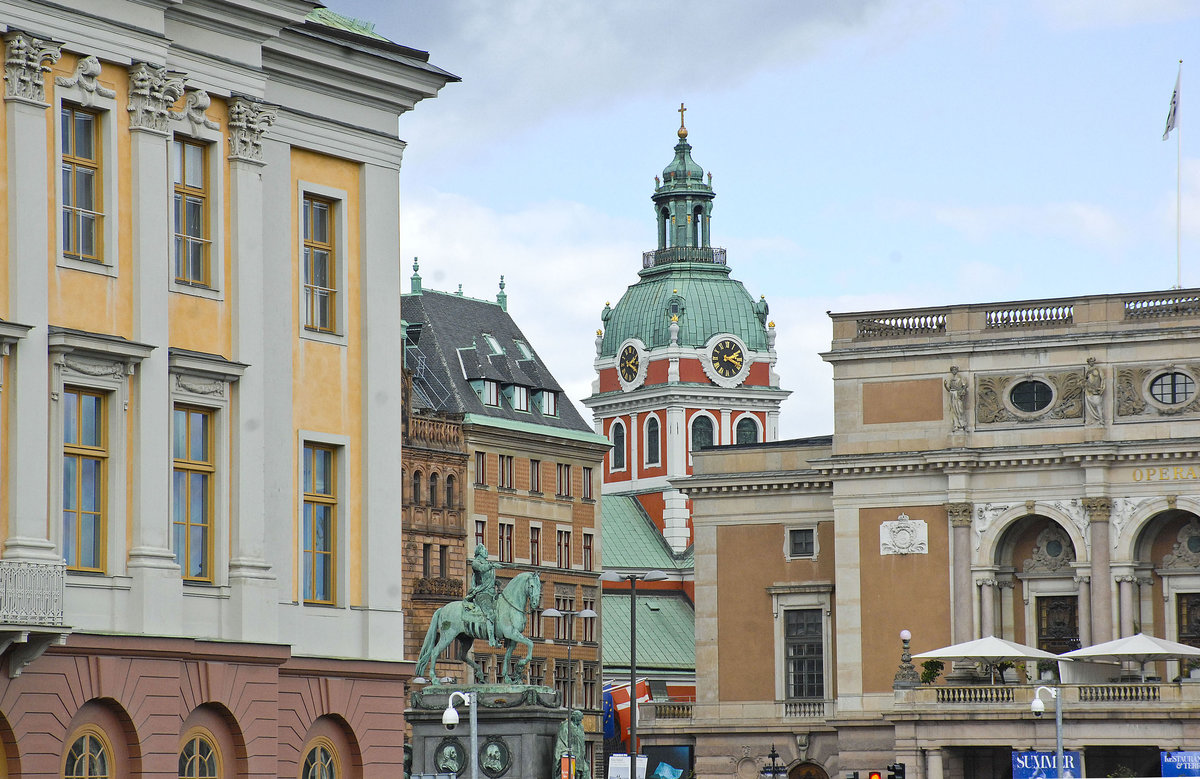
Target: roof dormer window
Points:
(550, 403)
(491, 393)
(520, 398)
(492, 343)
(526, 352)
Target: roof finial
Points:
(501, 297)
(459, 293)
(682, 129)
(416, 277)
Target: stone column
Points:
(252, 595)
(726, 431)
(157, 583)
(962, 614)
(933, 763)
(987, 607)
(635, 432)
(1098, 510)
(29, 292)
(1085, 610)
(676, 435)
(1125, 598)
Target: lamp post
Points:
(450, 718)
(633, 579)
(570, 616)
(1037, 707)
(773, 770)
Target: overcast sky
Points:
(865, 154)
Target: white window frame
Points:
(214, 142)
(646, 441)
(489, 393)
(549, 403)
(583, 545)
(341, 245)
(612, 439)
(341, 535)
(106, 112)
(102, 365)
(568, 529)
(691, 423)
(787, 542)
(758, 426)
(520, 398)
(206, 382)
(541, 545)
(811, 595)
(501, 524)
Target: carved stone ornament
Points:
(1130, 391)
(86, 71)
(194, 108)
(494, 757)
(23, 68)
(1052, 551)
(450, 756)
(1186, 552)
(152, 91)
(86, 367)
(1098, 509)
(1068, 403)
(904, 536)
(248, 121)
(198, 386)
(959, 513)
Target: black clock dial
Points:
(727, 358)
(627, 363)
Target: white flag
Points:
(1173, 114)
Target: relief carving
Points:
(1068, 395)
(903, 536)
(1186, 551)
(199, 386)
(152, 91)
(86, 71)
(93, 367)
(194, 108)
(992, 390)
(1052, 551)
(985, 515)
(248, 121)
(23, 68)
(989, 402)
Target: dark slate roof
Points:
(451, 335)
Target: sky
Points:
(866, 154)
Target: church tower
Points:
(685, 358)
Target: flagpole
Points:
(1179, 189)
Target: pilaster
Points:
(1098, 511)
(157, 583)
(960, 515)
(28, 252)
(676, 433)
(252, 611)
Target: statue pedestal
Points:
(518, 725)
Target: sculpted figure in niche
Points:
(1093, 393)
(956, 385)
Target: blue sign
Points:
(1040, 765)
(1181, 764)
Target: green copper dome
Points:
(685, 276)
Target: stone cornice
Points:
(762, 481)
(660, 396)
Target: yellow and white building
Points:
(200, 401)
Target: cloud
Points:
(1085, 223)
(1075, 14)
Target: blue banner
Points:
(1181, 764)
(1040, 765)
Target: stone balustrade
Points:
(31, 593)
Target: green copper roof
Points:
(710, 303)
(631, 541)
(333, 19)
(666, 634)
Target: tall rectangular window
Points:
(589, 623)
(481, 469)
(562, 681)
(444, 562)
(83, 210)
(191, 213)
(491, 393)
(505, 476)
(591, 686)
(320, 522)
(480, 533)
(805, 653)
(85, 456)
(535, 475)
(563, 488)
(564, 601)
(587, 484)
(520, 398)
(192, 492)
(564, 549)
(505, 551)
(550, 403)
(320, 266)
(535, 546)
(427, 560)
(587, 553)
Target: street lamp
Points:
(570, 615)
(633, 579)
(773, 770)
(1037, 707)
(450, 719)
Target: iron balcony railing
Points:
(31, 593)
(706, 254)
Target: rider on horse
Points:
(482, 594)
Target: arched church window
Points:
(653, 448)
(416, 488)
(702, 432)
(433, 489)
(618, 450)
(747, 430)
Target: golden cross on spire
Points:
(682, 109)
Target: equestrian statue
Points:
(484, 614)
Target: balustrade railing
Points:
(1162, 306)
(31, 593)
(1119, 693)
(1030, 316)
(904, 324)
(672, 709)
(975, 694)
(814, 709)
(706, 254)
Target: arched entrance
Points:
(808, 771)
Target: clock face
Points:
(727, 358)
(627, 363)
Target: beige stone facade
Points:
(1046, 490)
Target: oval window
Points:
(1172, 388)
(1031, 395)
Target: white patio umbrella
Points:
(1140, 649)
(988, 649)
